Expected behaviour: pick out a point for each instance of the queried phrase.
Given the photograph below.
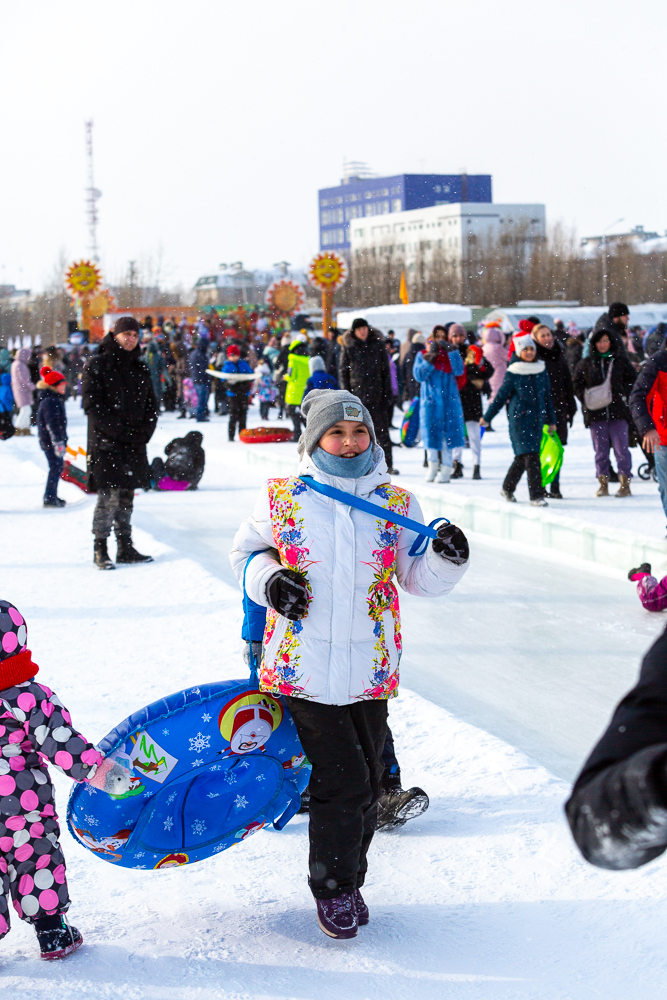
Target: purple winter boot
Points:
(363, 916)
(337, 917)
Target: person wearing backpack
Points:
(332, 642)
(603, 382)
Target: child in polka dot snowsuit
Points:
(35, 727)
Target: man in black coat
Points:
(365, 371)
(614, 322)
(618, 808)
(551, 352)
(118, 398)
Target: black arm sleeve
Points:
(618, 808)
(637, 401)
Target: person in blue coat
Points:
(440, 411)
(239, 386)
(319, 377)
(52, 430)
(527, 390)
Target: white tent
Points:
(418, 316)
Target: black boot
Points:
(458, 470)
(101, 557)
(613, 475)
(396, 807)
(476, 474)
(57, 939)
(126, 552)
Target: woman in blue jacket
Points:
(527, 389)
(440, 410)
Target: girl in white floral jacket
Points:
(332, 643)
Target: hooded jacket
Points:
(364, 371)
(527, 389)
(118, 399)
(348, 646)
(648, 399)
(494, 351)
(560, 381)
(297, 372)
(593, 370)
(22, 385)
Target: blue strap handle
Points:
(423, 531)
(254, 621)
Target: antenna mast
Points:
(92, 195)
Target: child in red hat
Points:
(52, 430)
(35, 727)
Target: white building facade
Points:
(454, 230)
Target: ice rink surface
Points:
(507, 682)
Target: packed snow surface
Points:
(506, 684)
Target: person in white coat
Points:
(332, 643)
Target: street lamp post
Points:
(605, 293)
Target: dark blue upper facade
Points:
(358, 198)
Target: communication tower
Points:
(92, 196)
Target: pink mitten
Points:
(111, 778)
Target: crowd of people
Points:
(462, 378)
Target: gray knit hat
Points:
(322, 408)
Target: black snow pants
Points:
(114, 508)
(391, 776)
(530, 461)
(238, 411)
(344, 745)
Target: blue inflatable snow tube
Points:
(209, 766)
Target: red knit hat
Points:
(526, 325)
(51, 376)
(233, 349)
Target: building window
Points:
(359, 232)
(396, 205)
(368, 194)
(437, 189)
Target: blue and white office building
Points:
(357, 198)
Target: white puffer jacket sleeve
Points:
(428, 575)
(254, 535)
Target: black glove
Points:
(287, 594)
(452, 544)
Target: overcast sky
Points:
(216, 122)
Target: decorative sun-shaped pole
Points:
(327, 271)
(82, 280)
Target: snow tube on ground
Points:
(410, 425)
(209, 766)
(265, 435)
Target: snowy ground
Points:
(484, 896)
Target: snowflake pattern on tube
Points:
(35, 727)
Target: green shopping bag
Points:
(551, 455)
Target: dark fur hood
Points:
(349, 339)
